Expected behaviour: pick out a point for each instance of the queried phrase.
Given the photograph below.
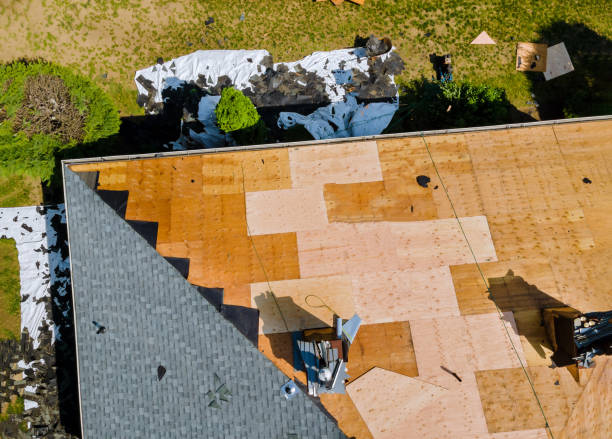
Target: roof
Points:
(380, 227)
(153, 318)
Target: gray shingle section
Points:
(155, 317)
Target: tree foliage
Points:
(45, 109)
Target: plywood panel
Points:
(457, 413)
(300, 311)
(395, 296)
(378, 201)
(112, 174)
(464, 344)
(316, 165)
(427, 244)
(534, 340)
(383, 246)
(508, 400)
(263, 170)
(385, 345)
(342, 408)
(523, 290)
(558, 392)
(390, 403)
(539, 433)
(590, 417)
(344, 248)
(285, 210)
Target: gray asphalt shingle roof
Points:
(154, 317)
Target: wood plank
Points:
(342, 408)
(508, 400)
(385, 345)
(466, 343)
(590, 417)
(389, 402)
(285, 210)
(316, 165)
(395, 296)
(298, 310)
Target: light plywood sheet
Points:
(395, 296)
(390, 403)
(590, 418)
(285, 210)
(300, 311)
(427, 244)
(457, 413)
(316, 165)
(343, 248)
(538, 433)
(384, 246)
(395, 354)
(464, 344)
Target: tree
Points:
(45, 109)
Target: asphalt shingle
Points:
(154, 317)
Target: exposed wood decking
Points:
(348, 223)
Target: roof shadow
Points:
(290, 317)
(513, 294)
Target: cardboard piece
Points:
(483, 38)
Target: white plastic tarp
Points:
(31, 229)
(236, 65)
(343, 119)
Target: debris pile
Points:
(41, 367)
(317, 80)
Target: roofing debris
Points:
(531, 57)
(317, 80)
(46, 324)
(558, 62)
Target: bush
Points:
(235, 111)
(435, 105)
(45, 109)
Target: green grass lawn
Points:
(10, 299)
(110, 39)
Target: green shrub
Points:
(431, 104)
(45, 109)
(235, 111)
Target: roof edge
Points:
(74, 317)
(335, 140)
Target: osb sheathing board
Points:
(291, 305)
(590, 418)
(466, 343)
